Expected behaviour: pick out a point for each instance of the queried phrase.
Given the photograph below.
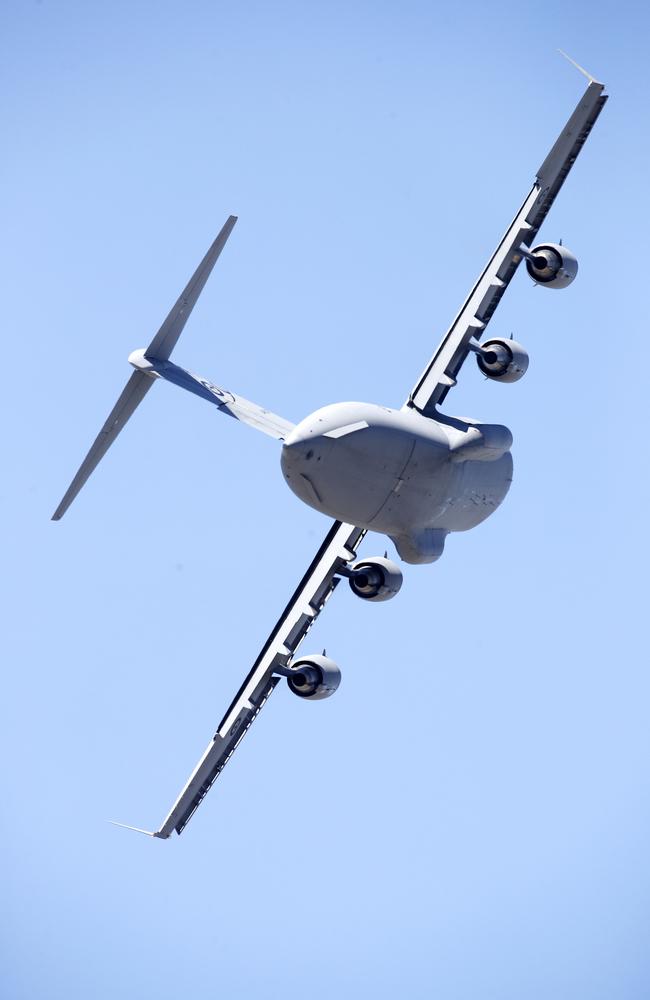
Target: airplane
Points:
(415, 474)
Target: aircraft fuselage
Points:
(399, 473)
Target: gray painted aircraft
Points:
(414, 474)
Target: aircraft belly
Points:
(420, 493)
(398, 474)
(361, 472)
(460, 497)
(478, 489)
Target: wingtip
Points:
(592, 79)
(136, 829)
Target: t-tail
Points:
(153, 362)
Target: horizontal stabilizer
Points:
(134, 392)
(141, 381)
(166, 339)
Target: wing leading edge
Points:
(308, 600)
(442, 370)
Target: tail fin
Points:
(140, 382)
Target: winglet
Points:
(148, 833)
(592, 79)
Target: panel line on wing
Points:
(313, 592)
(433, 385)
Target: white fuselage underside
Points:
(397, 472)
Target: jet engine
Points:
(375, 579)
(552, 265)
(313, 677)
(503, 360)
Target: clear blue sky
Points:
(469, 816)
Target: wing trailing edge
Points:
(314, 590)
(442, 370)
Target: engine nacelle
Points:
(503, 360)
(314, 677)
(552, 265)
(375, 579)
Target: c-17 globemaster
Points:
(414, 474)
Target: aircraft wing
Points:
(309, 599)
(442, 370)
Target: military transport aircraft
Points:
(414, 474)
